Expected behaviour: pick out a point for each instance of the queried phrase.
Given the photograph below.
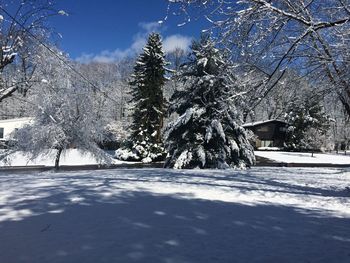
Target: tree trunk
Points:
(57, 160)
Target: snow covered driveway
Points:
(157, 215)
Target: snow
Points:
(259, 123)
(126, 155)
(203, 62)
(184, 159)
(234, 146)
(201, 155)
(208, 134)
(147, 160)
(219, 129)
(72, 157)
(63, 13)
(299, 157)
(154, 134)
(157, 215)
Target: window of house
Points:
(1, 133)
(266, 143)
(263, 129)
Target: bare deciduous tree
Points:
(311, 36)
(23, 26)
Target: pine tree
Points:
(307, 124)
(207, 133)
(149, 103)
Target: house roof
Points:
(17, 120)
(258, 123)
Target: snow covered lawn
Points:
(70, 157)
(296, 157)
(156, 215)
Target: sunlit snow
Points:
(159, 215)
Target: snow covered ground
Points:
(157, 215)
(70, 157)
(296, 157)
(74, 157)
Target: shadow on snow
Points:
(139, 226)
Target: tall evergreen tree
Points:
(207, 133)
(149, 103)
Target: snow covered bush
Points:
(141, 151)
(149, 104)
(126, 154)
(307, 124)
(206, 133)
(115, 133)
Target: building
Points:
(270, 133)
(10, 125)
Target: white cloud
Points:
(151, 26)
(105, 56)
(170, 43)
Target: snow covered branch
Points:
(305, 35)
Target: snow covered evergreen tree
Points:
(149, 103)
(207, 133)
(308, 124)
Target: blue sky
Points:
(106, 30)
